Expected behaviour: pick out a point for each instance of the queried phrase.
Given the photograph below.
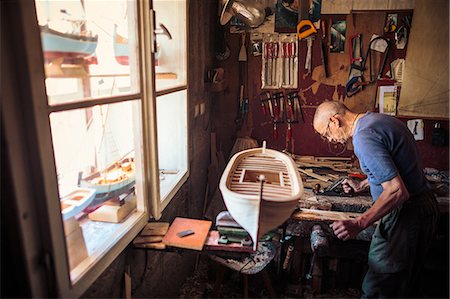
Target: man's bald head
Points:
(325, 111)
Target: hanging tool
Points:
(275, 130)
(324, 46)
(305, 27)
(378, 44)
(264, 98)
(355, 80)
(295, 104)
(267, 68)
(290, 49)
(276, 110)
(241, 97)
(243, 51)
(293, 68)
(275, 52)
(285, 56)
(309, 43)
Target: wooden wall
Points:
(314, 89)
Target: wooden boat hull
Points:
(281, 190)
(111, 183)
(121, 50)
(72, 48)
(76, 201)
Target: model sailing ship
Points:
(116, 178)
(261, 188)
(110, 183)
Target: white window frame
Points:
(152, 207)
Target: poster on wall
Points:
(337, 32)
(387, 99)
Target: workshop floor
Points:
(201, 284)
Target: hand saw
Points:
(305, 27)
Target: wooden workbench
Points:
(326, 209)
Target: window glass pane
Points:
(89, 50)
(98, 163)
(170, 57)
(172, 139)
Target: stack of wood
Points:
(152, 235)
(323, 170)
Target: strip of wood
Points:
(147, 239)
(159, 245)
(155, 229)
(320, 215)
(316, 176)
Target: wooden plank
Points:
(320, 215)
(76, 247)
(159, 245)
(112, 213)
(194, 241)
(147, 239)
(155, 229)
(316, 176)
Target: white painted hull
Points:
(241, 190)
(76, 201)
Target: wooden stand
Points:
(76, 246)
(113, 212)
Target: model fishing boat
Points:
(110, 183)
(65, 35)
(121, 50)
(76, 201)
(261, 188)
(73, 48)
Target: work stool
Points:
(249, 265)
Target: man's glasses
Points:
(326, 135)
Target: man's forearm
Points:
(393, 195)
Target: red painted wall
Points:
(305, 141)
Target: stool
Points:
(253, 264)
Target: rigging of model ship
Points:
(116, 178)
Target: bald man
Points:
(403, 201)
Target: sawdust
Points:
(201, 284)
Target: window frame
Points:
(158, 205)
(55, 253)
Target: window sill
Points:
(102, 255)
(171, 185)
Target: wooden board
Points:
(76, 245)
(194, 241)
(155, 229)
(113, 213)
(159, 245)
(147, 239)
(319, 215)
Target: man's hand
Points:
(350, 184)
(346, 229)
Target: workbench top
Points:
(326, 209)
(357, 204)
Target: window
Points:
(115, 121)
(171, 98)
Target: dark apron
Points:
(399, 246)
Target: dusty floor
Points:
(201, 285)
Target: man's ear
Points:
(335, 119)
